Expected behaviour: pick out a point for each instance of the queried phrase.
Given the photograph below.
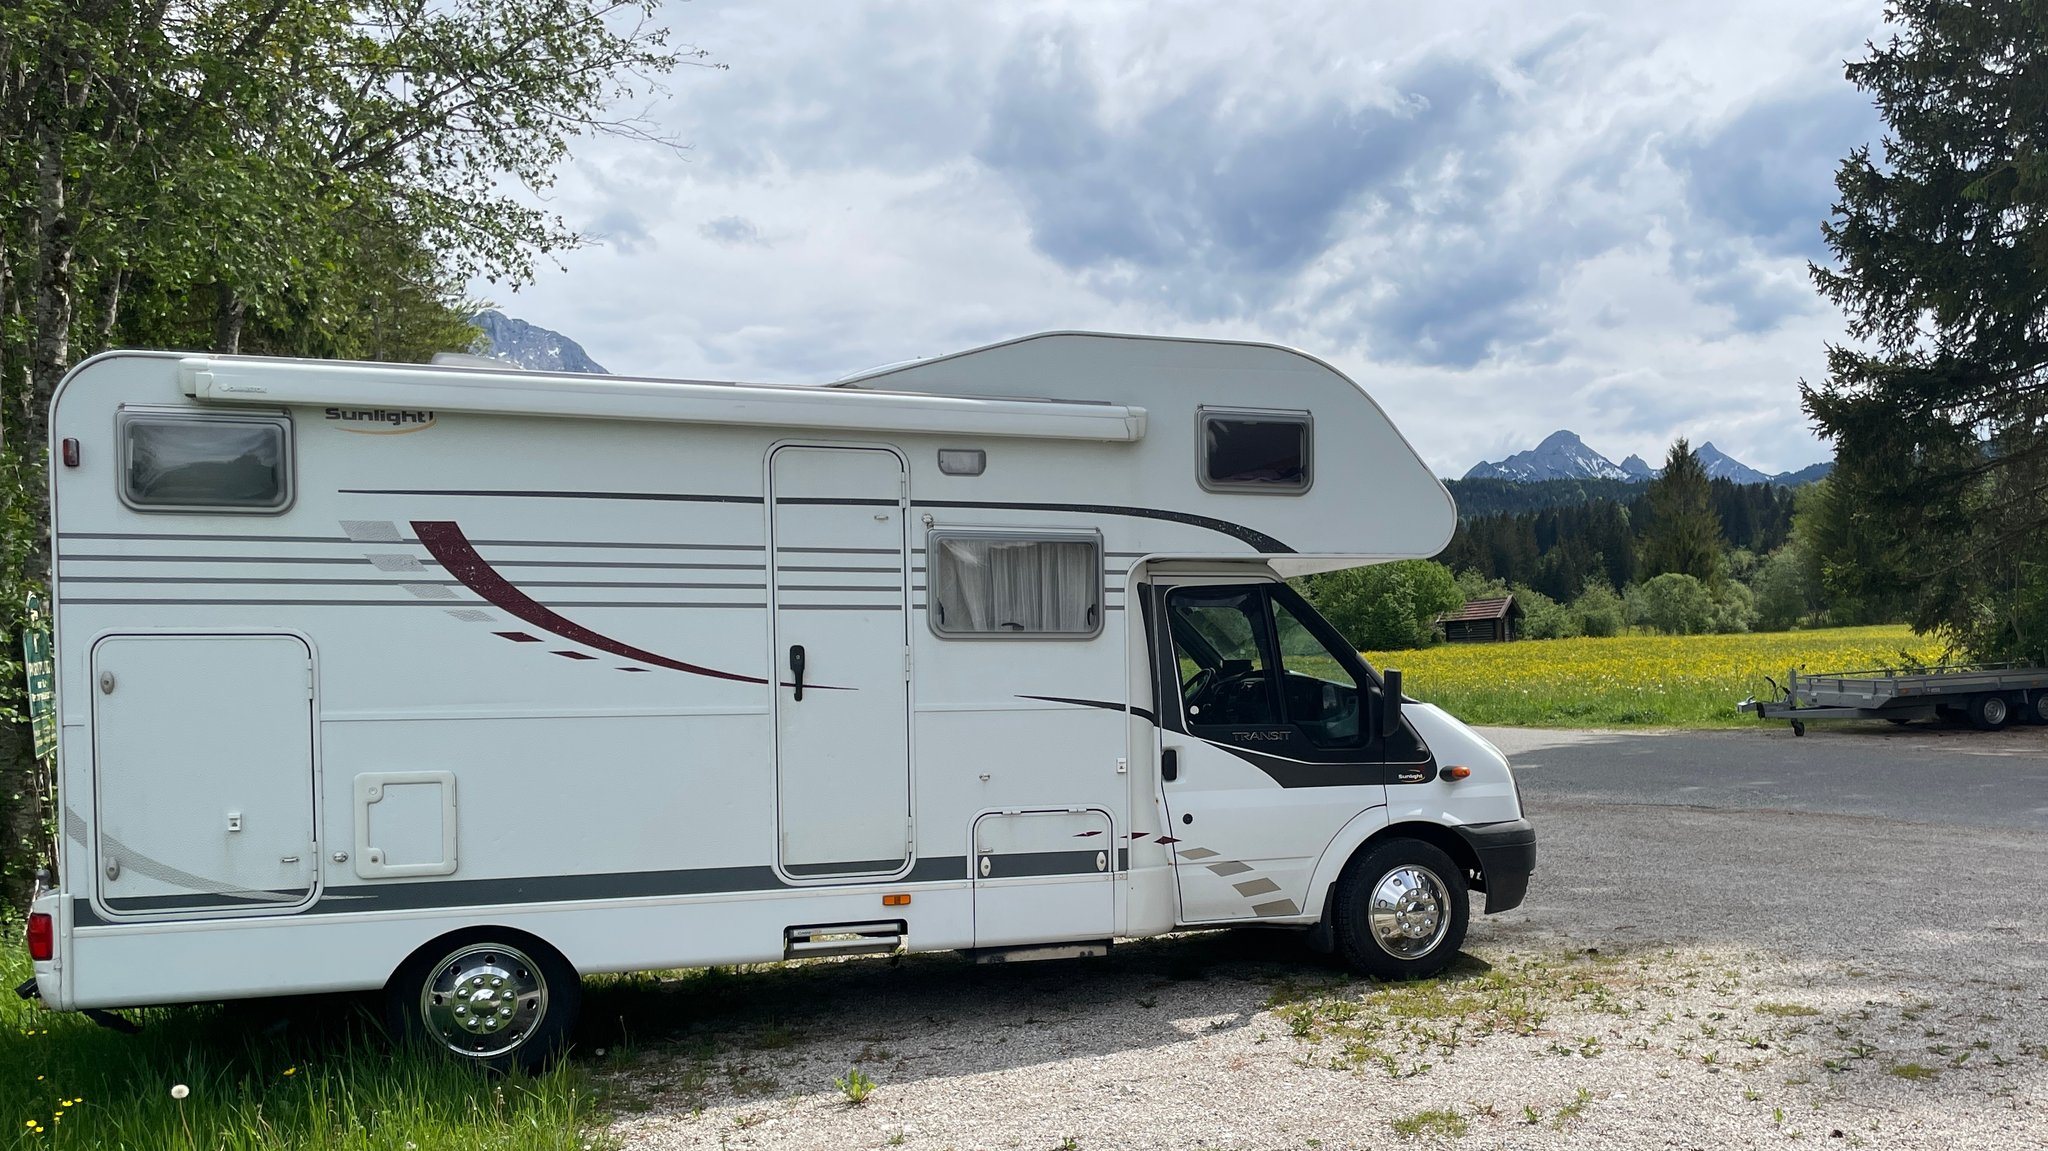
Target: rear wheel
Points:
(496, 999)
(2037, 711)
(1989, 712)
(1401, 911)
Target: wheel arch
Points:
(1367, 831)
(478, 932)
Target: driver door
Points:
(1266, 718)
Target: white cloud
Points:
(1501, 218)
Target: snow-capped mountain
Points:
(531, 346)
(1561, 456)
(1722, 466)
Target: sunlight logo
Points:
(383, 421)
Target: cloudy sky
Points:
(1500, 218)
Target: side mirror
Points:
(1390, 702)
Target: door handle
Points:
(1169, 765)
(796, 668)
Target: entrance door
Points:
(842, 703)
(203, 761)
(1270, 718)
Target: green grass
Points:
(324, 1080)
(1638, 680)
(1445, 1123)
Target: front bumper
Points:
(1507, 857)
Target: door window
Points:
(1219, 639)
(1320, 693)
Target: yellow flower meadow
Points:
(1637, 679)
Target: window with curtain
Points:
(985, 584)
(212, 462)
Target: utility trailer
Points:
(1988, 695)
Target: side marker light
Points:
(1454, 773)
(895, 901)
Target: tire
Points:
(2037, 711)
(1989, 712)
(1401, 911)
(1900, 720)
(490, 997)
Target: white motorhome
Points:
(461, 682)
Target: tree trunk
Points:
(228, 310)
(109, 310)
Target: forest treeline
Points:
(1682, 554)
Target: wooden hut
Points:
(1496, 620)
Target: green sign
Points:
(42, 683)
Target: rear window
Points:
(1255, 451)
(176, 462)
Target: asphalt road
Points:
(1919, 773)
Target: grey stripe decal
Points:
(1106, 705)
(849, 868)
(1233, 867)
(1276, 907)
(424, 603)
(841, 551)
(1031, 863)
(817, 587)
(270, 539)
(263, 539)
(665, 497)
(407, 583)
(207, 902)
(803, 568)
(1259, 541)
(1260, 886)
(1105, 607)
(580, 888)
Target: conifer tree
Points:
(1683, 533)
(1939, 409)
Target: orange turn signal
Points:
(895, 901)
(1456, 772)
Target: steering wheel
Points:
(1196, 690)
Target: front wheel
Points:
(494, 999)
(1401, 911)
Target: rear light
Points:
(42, 937)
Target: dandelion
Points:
(290, 1071)
(179, 1091)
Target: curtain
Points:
(991, 584)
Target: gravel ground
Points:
(1679, 978)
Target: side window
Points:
(1218, 639)
(1322, 696)
(223, 463)
(985, 584)
(1255, 451)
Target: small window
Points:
(210, 463)
(1255, 451)
(987, 584)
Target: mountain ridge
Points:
(530, 346)
(1562, 455)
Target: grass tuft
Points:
(325, 1080)
(1446, 1123)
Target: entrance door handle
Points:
(796, 668)
(1169, 765)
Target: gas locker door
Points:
(842, 696)
(203, 772)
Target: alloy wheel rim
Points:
(1410, 911)
(484, 1000)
